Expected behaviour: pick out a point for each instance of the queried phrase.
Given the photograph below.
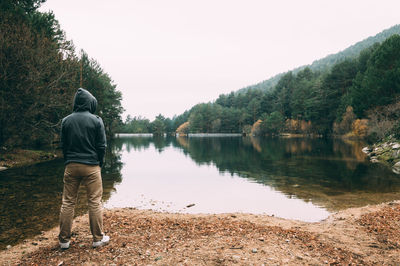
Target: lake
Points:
(295, 178)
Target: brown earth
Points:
(369, 235)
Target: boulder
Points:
(366, 150)
(396, 168)
(396, 146)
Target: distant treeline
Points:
(39, 74)
(357, 96)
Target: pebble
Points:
(8, 246)
(396, 146)
(254, 250)
(2, 168)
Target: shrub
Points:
(360, 128)
(384, 121)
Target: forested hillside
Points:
(327, 62)
(39, 75)
(358, 96)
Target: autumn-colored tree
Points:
(183, 129)
(345, 126)
(256, 128)
(360, 128)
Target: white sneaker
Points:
(64, 245)
(103, 242)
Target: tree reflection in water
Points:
(330, 173)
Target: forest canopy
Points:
(40, 72)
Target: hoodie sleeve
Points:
(63, 142)
(101, 142)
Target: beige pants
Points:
(89, 176)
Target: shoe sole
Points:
(101, 245)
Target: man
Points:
(83, 142)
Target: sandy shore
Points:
(367, 235)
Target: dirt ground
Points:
(369, 235)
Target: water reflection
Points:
(333, 174)
(292, 178)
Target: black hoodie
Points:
(83, 138)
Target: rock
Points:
(190, 205)
(2, 168)
(374, 159)
(366, 150)
(396, 146)
(8, 246)
(254, 250)
(396, 168)
(396, 154)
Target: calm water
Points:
(305, 179)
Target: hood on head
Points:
(84, 101)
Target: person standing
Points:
(83, 142)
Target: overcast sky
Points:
(166, 56)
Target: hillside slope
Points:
(330, 60)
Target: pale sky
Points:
(166, 56)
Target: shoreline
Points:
(366, 235)
(386, 152)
